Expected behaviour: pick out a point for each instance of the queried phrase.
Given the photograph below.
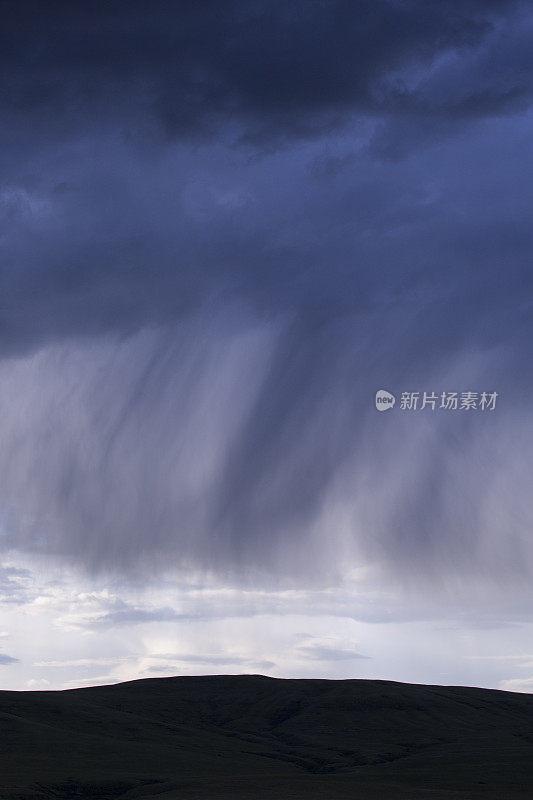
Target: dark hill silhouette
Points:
(262, 738)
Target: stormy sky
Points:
(224, 226)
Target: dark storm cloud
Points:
(93, 234)
(224, 226)
(280, 69)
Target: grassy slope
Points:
(256, 737)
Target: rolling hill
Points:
(249, 736)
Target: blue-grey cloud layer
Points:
(224, 226)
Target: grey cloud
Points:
(15, 585)
(5, 659)
(321, 653)
(133, 616)
(198, 658)
(114, 611)
(174, 663)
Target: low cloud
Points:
(5, 659)
(517, 685)
(15, 586)
(321, 653)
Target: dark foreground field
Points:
(258, 738)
